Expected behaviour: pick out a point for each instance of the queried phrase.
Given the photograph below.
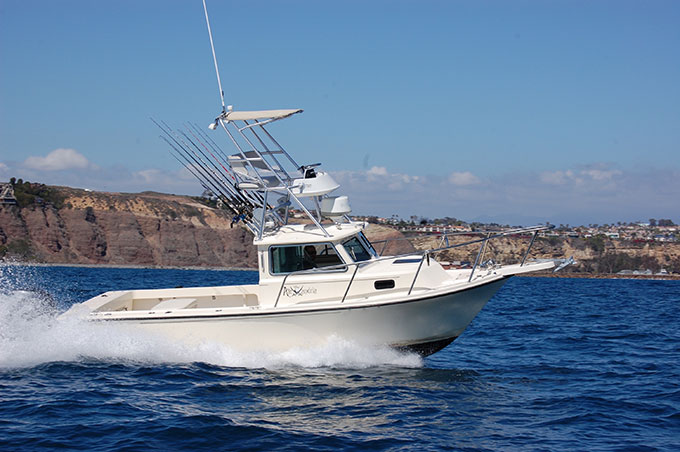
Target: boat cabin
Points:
(294, 248)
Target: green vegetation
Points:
(191, 211)
(17, 248)
(32, 194)
(551, 240)
(210, 202)
(89, 215)
(615, 262)
(596, 243)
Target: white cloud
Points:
(601, 175)
(595, 193)
(377, 171)
(593, 175)
(3, 168)
(463, 178)
(149, 175)
(153, 177)
(57, 160)
(556, 177)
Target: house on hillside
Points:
(7, 194)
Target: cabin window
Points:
(292, 258)
(356, 249)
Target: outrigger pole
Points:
(212, 46)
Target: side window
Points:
(286, 259)
(291, 258)
(356, 249)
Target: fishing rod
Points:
(205, 188)
(255, 201)
(239, 211)
(211, 154)
(211, 142)
(242, 208)
(255, 197)
(229, 201)
(246, 204)
(205, 184)
(206, 176)
(231, 183)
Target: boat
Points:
(320, 277)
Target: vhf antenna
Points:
(212, 46)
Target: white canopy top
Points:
(262, 114)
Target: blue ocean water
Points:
(549, 364)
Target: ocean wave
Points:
(31, 333)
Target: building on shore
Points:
(7, 194)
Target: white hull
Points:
(424, 323)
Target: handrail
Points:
(450, 234)
(425, 254)
(356, 268)
(533, 238)
(420, 265)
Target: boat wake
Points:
(31, 334)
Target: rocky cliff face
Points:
(177, 231)
(125, 229)
(151, 229)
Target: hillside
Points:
(72, 226)
(152, 229)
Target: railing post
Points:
(479, 253)
(356, 268)
(484, 247)
(281, 289)
(264, 214)
(417, 272)
(529, 248)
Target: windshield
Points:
(291, 258)
(356, 249)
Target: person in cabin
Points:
(309, 258)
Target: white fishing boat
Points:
(319, 276)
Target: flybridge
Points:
(261, 182)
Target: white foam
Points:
(31, 334)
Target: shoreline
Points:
(601, 276)
(130, 266)
(672, 277)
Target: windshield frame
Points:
(362, 244)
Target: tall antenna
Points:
(212, 46)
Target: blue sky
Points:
(510, 111)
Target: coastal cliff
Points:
(147, 228)
(143, 229)
(62, 225)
